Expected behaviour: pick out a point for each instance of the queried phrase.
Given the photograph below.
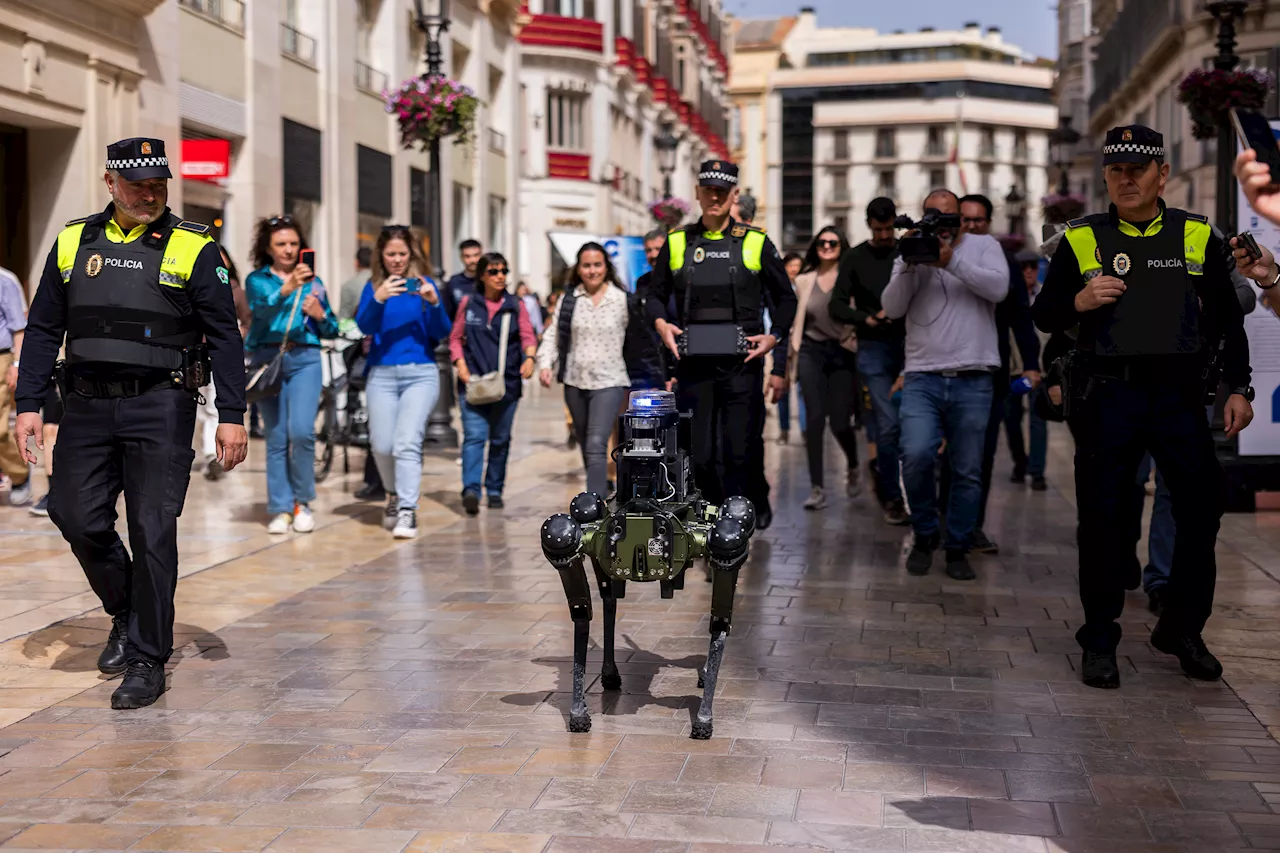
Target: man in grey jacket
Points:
(951, 353)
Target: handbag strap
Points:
(502, 343)
(289, 326)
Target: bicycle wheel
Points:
(326, 434)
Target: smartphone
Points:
(1255, 132)
(308, 257)
(411, 286)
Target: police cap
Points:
(138, 159)
(718, 173)
(1132, 144)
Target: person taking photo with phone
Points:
(1150, 288)
(402, 309)
(291, 314)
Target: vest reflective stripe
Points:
(180, 255)
(68, 245)
(1084, 243)
(676, 242)
(1197, 234)
(753, 249)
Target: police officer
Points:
(721, 272)
(1150, 288)
(136, 291)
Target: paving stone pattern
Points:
(341, 692)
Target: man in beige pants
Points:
(13, 320)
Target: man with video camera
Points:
(946, 284)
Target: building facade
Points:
(1075, 164)
(757, 53)
(854, 114)
(1144, 49)
(599, 84)
(266, 108)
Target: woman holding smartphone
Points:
(290, 309)
(400, 308)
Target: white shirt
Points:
(594, 360)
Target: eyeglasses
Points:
(497, 271)
(828, 244)
(281, 220)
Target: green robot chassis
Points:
(655, 528)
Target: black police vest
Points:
(714, 284)
(118, 312)
(1159, 313)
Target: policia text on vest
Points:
(134, 290)
(1150, 289)
(724, 277)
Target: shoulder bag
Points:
(492, 387)
(266, 381)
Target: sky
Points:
(1030, 24)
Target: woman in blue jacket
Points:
(289, 305)
(401, 309)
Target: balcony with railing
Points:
(370, 79)
(840, 196)
(935, 149)
(562, 32)
(568, 165)
(886, 149)
(1137, 30)
(297, 44)
(227, 12)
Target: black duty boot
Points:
(1155, 600)
(958, 567)
(1101, 670)
(1197, 661)
(113, 659)
(984, 544)
(921, 556)
(143, 683)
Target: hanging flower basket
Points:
(431, 109)
(670, 211)
(1211, 95)
(1060, 209)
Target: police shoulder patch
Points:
(223, 275)
(1197, 217)
(79, 221)
(193, 227)
(739, 230)
(1078, 223)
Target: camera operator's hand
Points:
(777, 388)
(669, 332)
(760, 345)
(944, 255)
(1102, 290)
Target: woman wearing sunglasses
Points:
(402, 311)
(476, 347)
(290, 310)
(584, 345)
(823, 352)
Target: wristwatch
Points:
(1247, 391)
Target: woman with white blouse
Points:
(583, 343)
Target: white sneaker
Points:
(280, 524)
(817, 499)
(303, 520)
(406, 525)
(21, 495)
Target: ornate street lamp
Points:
(666, 144)
(1226, 12)
(1015, 204)
(1064, 141)
(432, 17)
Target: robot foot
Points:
(701, 730)
(580, 724)
(702, 677)
(611, 680)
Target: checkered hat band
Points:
(717, 176)
(140, 163)
(1130, 148)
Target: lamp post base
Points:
(440, 432)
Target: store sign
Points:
(206, 159)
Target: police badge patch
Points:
(223, 275)
(93, 266)
(699, 255)
(1122, 264)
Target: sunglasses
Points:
(828, 244)
(497, 271)
(281, 220)
(391, 229)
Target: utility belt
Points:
(1081, 372)
(194, 374)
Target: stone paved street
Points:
(343, 692)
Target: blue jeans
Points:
(489, 424)
(1160, 538)
(289, 425)
(957, 408)
(1039, 450)
(400, 397)
(880, 365)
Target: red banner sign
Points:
(206, 159)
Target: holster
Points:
(196, 370)
(60, 380)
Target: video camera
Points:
(925, 247)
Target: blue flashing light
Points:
(652, 403)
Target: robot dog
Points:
(658, 526)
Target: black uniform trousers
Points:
(726, 397)
(1114, 427)
(141, 446)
